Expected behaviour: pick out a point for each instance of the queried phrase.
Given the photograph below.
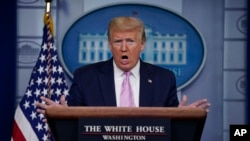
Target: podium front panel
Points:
(112, 123)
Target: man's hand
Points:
(202, 103)
(49, 103)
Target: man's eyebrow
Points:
(129, 39)
(117, 40)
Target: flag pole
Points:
(47, 15)
(48, 22)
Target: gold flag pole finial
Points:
(48, 2)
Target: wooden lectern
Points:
(181, 123)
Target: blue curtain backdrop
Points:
(8, 66)
(248, 63)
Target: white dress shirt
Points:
(134, 81)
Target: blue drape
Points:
(8, 66)
(248, 64)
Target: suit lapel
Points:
(146, 85)
(106, 78)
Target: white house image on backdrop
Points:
(168, 49)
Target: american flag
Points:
(47, 79)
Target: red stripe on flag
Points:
(17, 135)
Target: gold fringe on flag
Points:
(47, 19)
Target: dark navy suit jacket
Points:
(93, 85)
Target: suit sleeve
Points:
(172, 96)
(75, 98)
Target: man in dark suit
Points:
(99, 84)
(94, 86)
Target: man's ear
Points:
(142, 46)
(109, 43)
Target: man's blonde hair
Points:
(126, 23)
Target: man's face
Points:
(126, 47)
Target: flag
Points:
(47, 79)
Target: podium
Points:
(118, 123)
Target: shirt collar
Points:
(135, 71)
